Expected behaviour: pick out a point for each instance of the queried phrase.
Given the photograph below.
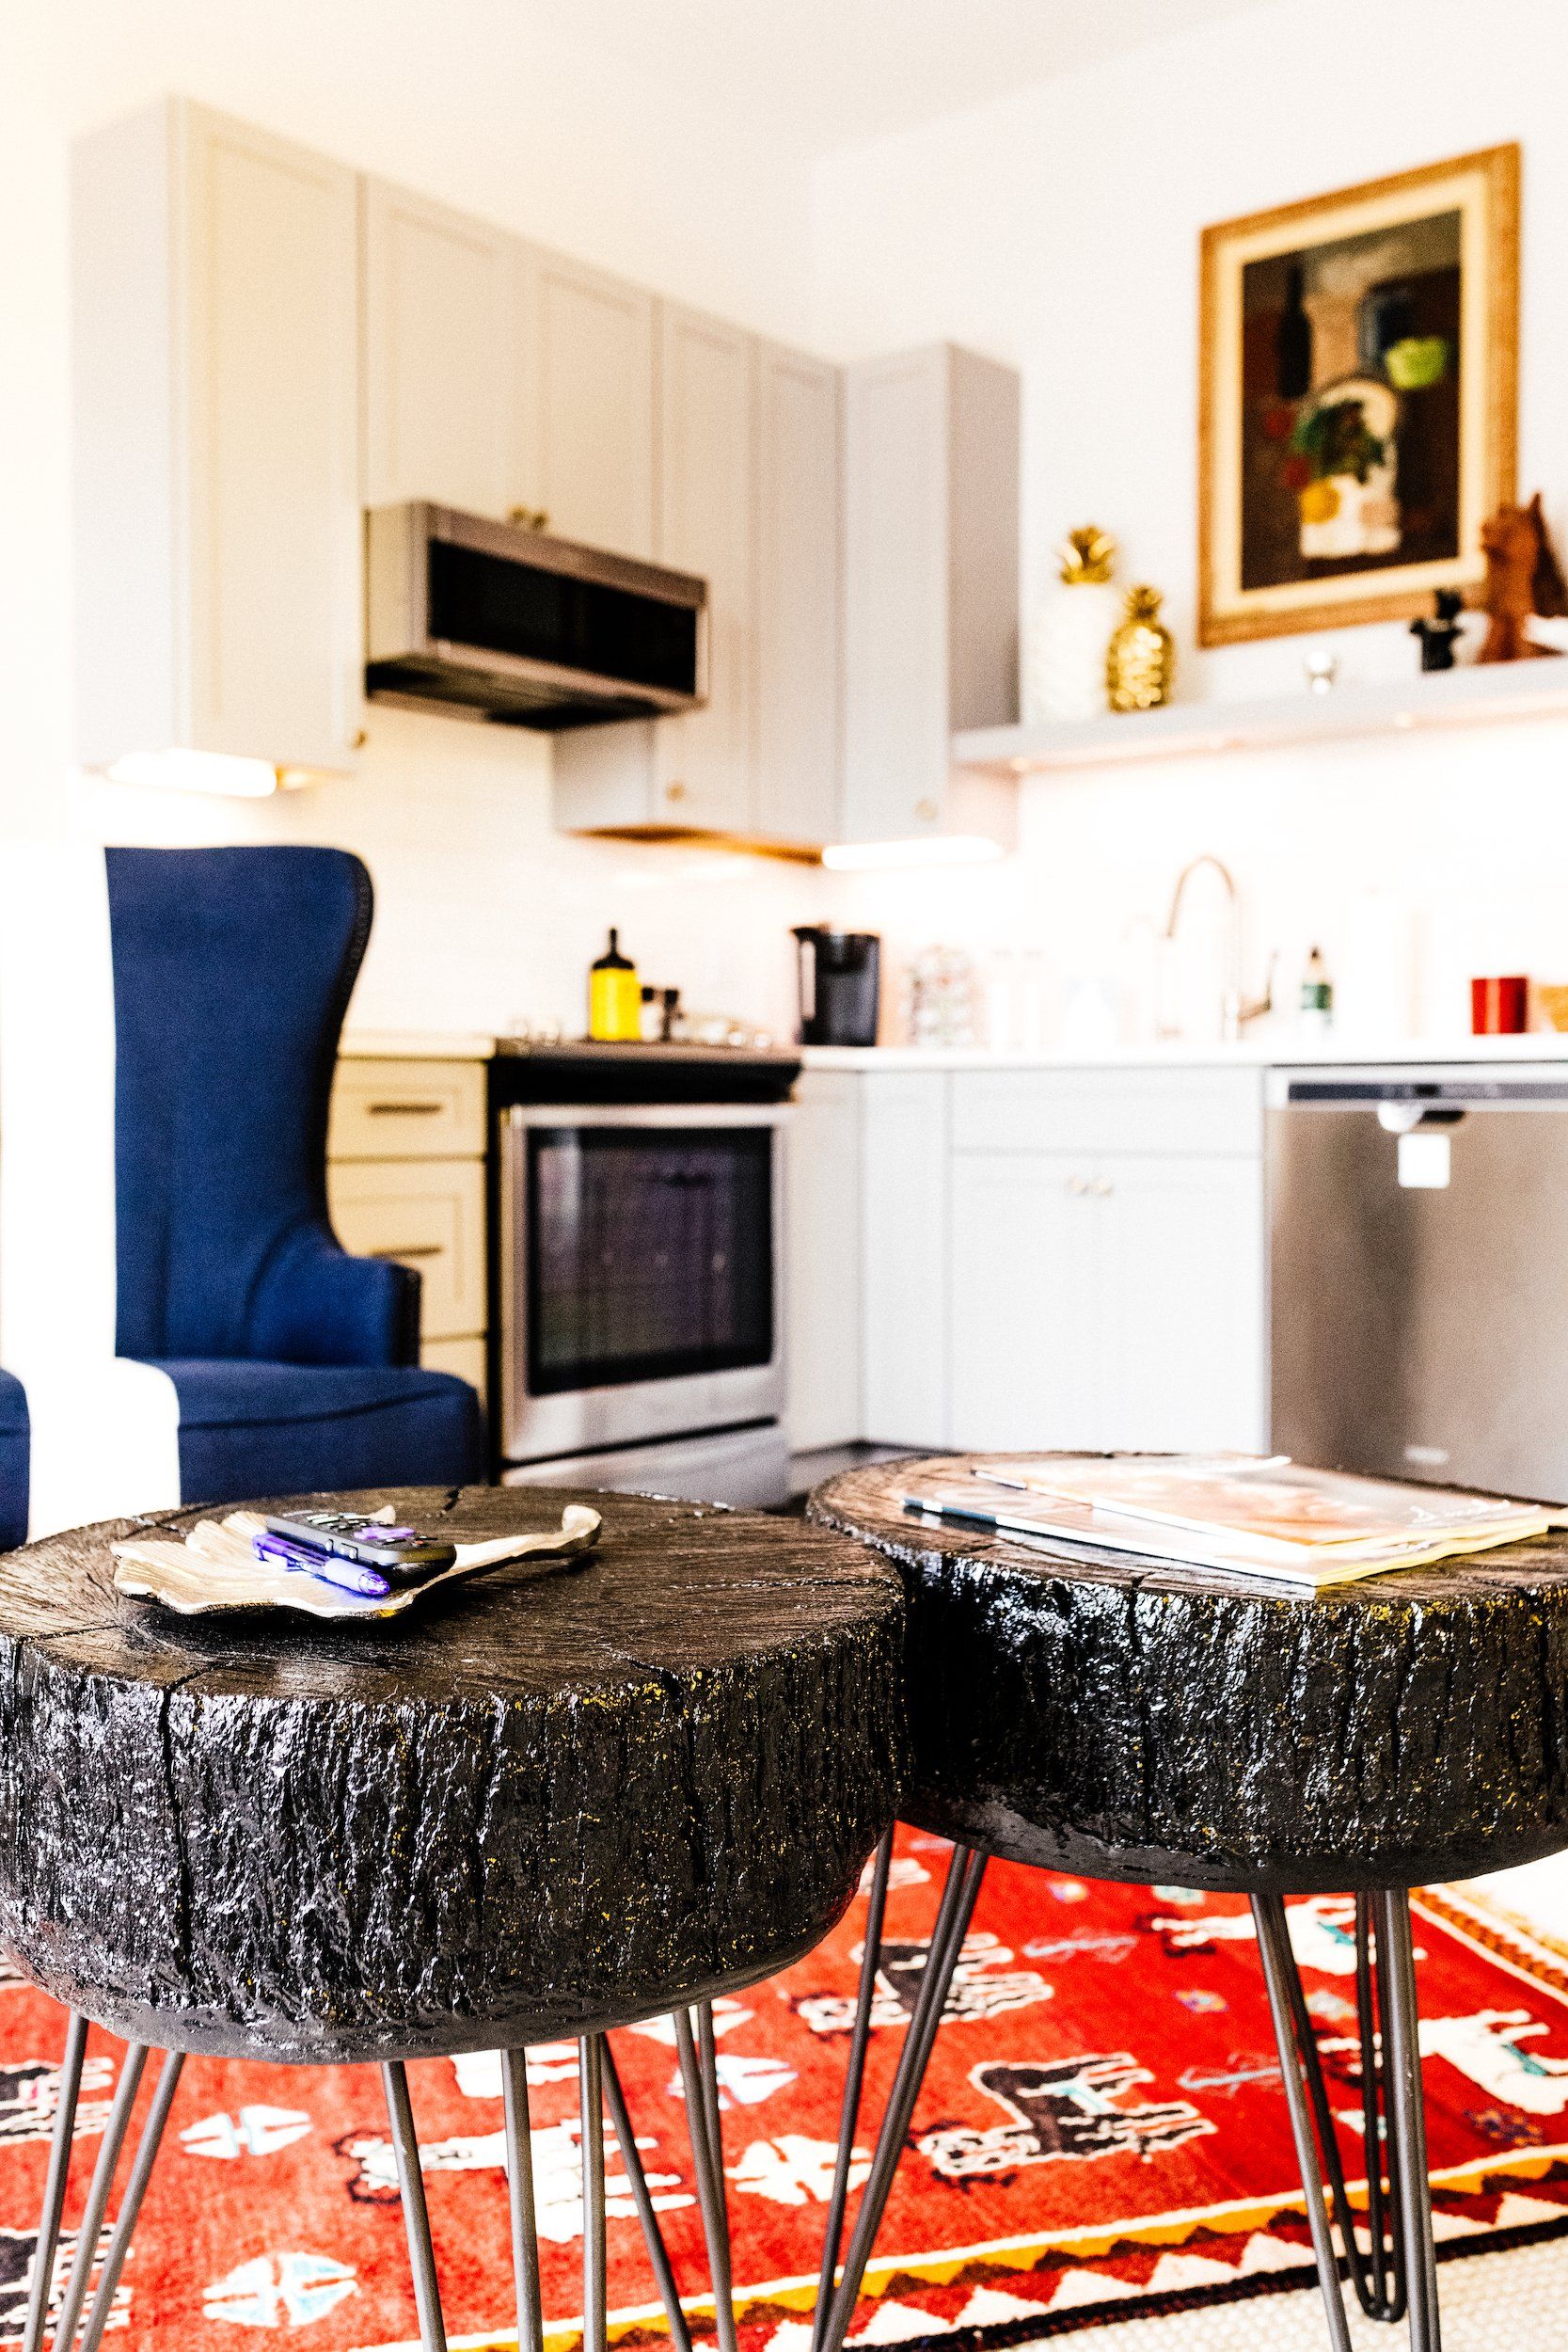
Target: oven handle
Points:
(690, 1116)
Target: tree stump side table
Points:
(1124, 1718)
(543, 1806)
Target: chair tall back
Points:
(232, 970)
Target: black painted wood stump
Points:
(1130, 1720)
(540, 1806)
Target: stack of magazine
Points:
(1262, 1517)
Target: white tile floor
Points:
(1507, 2302)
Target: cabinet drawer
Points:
(464, 1356)
(407, 1110)
(1193, 1109)
(428, 1215)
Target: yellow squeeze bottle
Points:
(614, 999)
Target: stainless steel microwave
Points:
(502, 622)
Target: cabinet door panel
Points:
(425, 1213)
(707, 437)
(896, 603)
(438, 354)
(1026, 1303)
(822, 1205)
(587, 432)
(1181, 1306)
(905, 1163)
(797, 757)
(271, 421)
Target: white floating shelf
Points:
(1472, 696)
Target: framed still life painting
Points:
(1357, 402)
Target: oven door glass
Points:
(650, 1254)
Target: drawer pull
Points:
(415, 1250)
(404, 1111)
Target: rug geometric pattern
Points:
(1102, 2138)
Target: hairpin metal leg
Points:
(710, 2195)
(1400, 2272)
(850, 2113)
(46, 2245)
(1378, 2275)
(707, 2048)
(653, 2236)
(591, 2112)
(519, 2181)
(1407, 2121)
(965, 1872)
(415, 2214)
(1274, 1945)
(135, 2189)
(131, 2068)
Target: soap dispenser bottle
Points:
(614, 999)
(1317, 995)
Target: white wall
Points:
(490, 105)
(1058, 229)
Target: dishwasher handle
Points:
(1438, 1097)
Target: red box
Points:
(1500, 1007)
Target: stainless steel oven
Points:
(641, 1296)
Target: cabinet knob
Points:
(1077, 1185)
(529, 518)
(926, 811)
(359, 740)
(674, 791)
(1103, 1187)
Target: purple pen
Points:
(346, 1574)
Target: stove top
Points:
(587, 1070)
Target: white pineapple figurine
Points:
(1065, 677)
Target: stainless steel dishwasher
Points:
(1418, 1261)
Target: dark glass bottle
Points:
(1292, 347)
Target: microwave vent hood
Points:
(492, 621)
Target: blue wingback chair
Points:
(293, 1364)
(13, 1462)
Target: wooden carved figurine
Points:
(1523, 576)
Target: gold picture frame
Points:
(1357, 398)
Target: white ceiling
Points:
(828, 73)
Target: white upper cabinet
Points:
(749, 483)
(216, 432)
(586, 428)
(931, 589)
(798, 714)
(441, 362)
(706, 453)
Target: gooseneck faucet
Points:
(1236, 1010)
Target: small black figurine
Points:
(1438, 637)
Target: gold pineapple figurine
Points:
(1140, 665)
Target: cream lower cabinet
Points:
(405, 1180)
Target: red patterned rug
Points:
(1102, 2133)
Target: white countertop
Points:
(1263, 1050)
(1277, 1050)
(417, 1046)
